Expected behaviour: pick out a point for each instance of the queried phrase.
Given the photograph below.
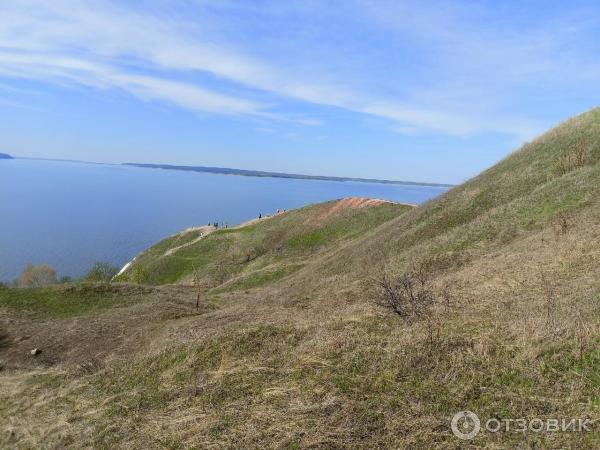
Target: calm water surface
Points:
(70, 215)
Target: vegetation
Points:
(62, 301)
(101, 271)
(259, 278)
(262, 251)
(409, 295)
(37, 276)
(290, 350)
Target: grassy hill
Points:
(261, 251)
(551, 180)
(290, 348)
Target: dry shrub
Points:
(37, 276)
(575, 157)
(582, 333)
(550, 312)
(561, 224)
(255, 252)
(410, 295)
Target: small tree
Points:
(101, 271)
(199, 284)
(37, 276)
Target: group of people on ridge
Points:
(225, 225)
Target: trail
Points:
(209, 229)
(206, 230)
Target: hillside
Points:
(5, 156)
(289, 348)
(260, 251)
(551, 180)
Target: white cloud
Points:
(190, 55)
(63, 70)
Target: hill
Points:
(5, 156)
(308, 358)
(261, 250)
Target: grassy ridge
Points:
(277, 245)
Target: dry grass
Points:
(308, 360)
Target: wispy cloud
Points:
(65, 69)
(422, 67)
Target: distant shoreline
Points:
(247, 173)
(265, 174)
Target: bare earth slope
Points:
(305, 359)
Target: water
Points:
(71, 215)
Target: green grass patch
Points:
(66, 301)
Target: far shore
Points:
(247, 173)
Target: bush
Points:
(37, 276)
(575, 157)
(409, 295)
(101, 271)
(139, 275)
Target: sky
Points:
(430, 91)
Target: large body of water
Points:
(71, 215)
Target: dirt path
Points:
(209, 229)
(256, 220)
(205, 231)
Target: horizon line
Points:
(243, 172)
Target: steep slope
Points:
(547, 184)
(309, 361)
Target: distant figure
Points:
(259, 215)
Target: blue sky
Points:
(424, 91)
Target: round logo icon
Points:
(465, 425)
